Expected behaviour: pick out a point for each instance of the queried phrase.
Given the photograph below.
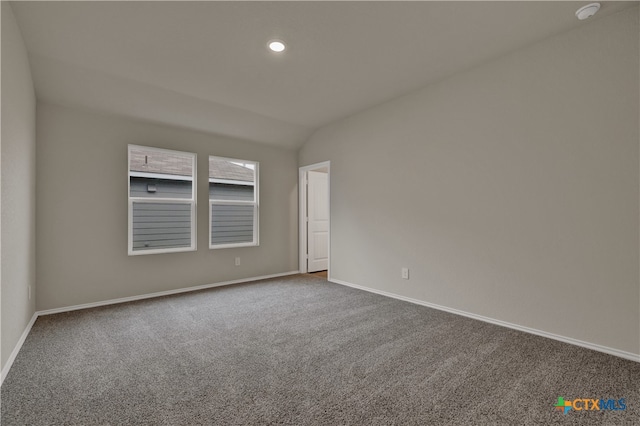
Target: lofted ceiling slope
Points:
(205, 66)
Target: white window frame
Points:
(192, 201)
(255, 203)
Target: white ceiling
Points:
(204, 65)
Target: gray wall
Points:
(510, 190)
(18, 186)
(164, 188)
(160, 225)
(82, 210)
(167, 225)
(229, 223)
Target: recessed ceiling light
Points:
(587, 11)
(277, 46)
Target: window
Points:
(233, 203)
(162, 203)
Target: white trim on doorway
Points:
(302, 218)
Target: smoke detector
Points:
(587, 11)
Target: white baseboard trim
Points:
(17, 348)
(159, 294)
(611, 351)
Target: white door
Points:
(318, 225)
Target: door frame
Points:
(302, 217)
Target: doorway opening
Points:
(315, 224)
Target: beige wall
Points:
(509, 190)
(18, 186)
(82, 211)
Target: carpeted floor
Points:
(301, 351)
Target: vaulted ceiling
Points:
(205, 66)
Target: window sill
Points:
(224, 246)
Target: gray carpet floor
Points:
(301, 351)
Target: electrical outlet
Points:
(237, 261)
(405, 273)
